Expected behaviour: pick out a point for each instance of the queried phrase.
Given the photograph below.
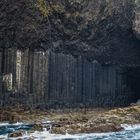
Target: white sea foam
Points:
(130, 127)
(45, 135)
(14, 124)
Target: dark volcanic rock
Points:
(96, 29)
(16, 134)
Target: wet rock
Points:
(37, 126)
(16, 134)
(60, 130)
(106, 128)
(74, 122)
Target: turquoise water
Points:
(130, 133)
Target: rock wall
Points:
(58, 43)
(0, 74)
(136, 24)
(95, 29)
(48, 79)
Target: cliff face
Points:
(107, 31)
(136, 23)
(96, 29)
(48, 79)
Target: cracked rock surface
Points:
(106, 30)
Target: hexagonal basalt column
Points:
(136, 23)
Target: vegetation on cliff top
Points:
(48, 8)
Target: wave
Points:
(131, 127)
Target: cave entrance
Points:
(133, 82)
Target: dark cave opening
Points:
(133, 82)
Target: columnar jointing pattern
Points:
(136, 23)
(48, 79)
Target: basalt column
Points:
(0, 77)
(39, 78)
(39, 75)
(8, 73)
(32, 76)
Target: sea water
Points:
(131, 132)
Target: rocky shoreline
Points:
(73, 121)
(100, 120)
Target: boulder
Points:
(16, 134)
